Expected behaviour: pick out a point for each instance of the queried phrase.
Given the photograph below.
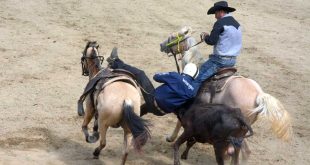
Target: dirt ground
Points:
(40, 49)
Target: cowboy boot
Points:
(113, 56)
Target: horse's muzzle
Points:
(164, 48)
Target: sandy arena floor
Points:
(40, 49)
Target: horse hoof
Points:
(96, 153)
(177, 163)
(93, 139)
(80, 110)
(169, 139)
(184, 157)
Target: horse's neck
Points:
(192, 56)
(93, 71)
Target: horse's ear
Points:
(85, 49)
(187, 30)
(193, 31)
(97, 46)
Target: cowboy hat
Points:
(221, 5)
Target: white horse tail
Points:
(271, 108)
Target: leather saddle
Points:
(217, 82)
(105, 77)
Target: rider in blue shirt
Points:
(176, 90)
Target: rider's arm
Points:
(215, 33)
(163, 77)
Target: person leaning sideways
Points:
(177, 89)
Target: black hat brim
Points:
(213, 9)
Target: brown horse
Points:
(117, 103)
(240, 92)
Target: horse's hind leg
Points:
(103, 131)
(175, 132)
(245, 150)
(127, 136)
(93, 138)
(235, 157)
(89, 113)
(189, 144)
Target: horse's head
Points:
(177, 42)
(90, 60)
(183, 43)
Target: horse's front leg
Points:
(175, 132)
(189, 144)
(89, 113)
(80, 108)
(183, 138)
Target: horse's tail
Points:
(271, 108)
(137, 126)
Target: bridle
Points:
(179, 39)
(84, 58)
(176, 41)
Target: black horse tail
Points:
(138, 126)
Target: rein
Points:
(196, 44)
(177, 42)
(176, 61)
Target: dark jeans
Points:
(211, 66)
(145, 83)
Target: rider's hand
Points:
(203, 35)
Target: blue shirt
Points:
(176, 90)
(226, 36)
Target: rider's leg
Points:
(145, 83)
(211, 66)
(206, 70)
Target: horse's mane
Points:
(192, 55)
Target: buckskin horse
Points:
(115, 99)
(235, 91)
